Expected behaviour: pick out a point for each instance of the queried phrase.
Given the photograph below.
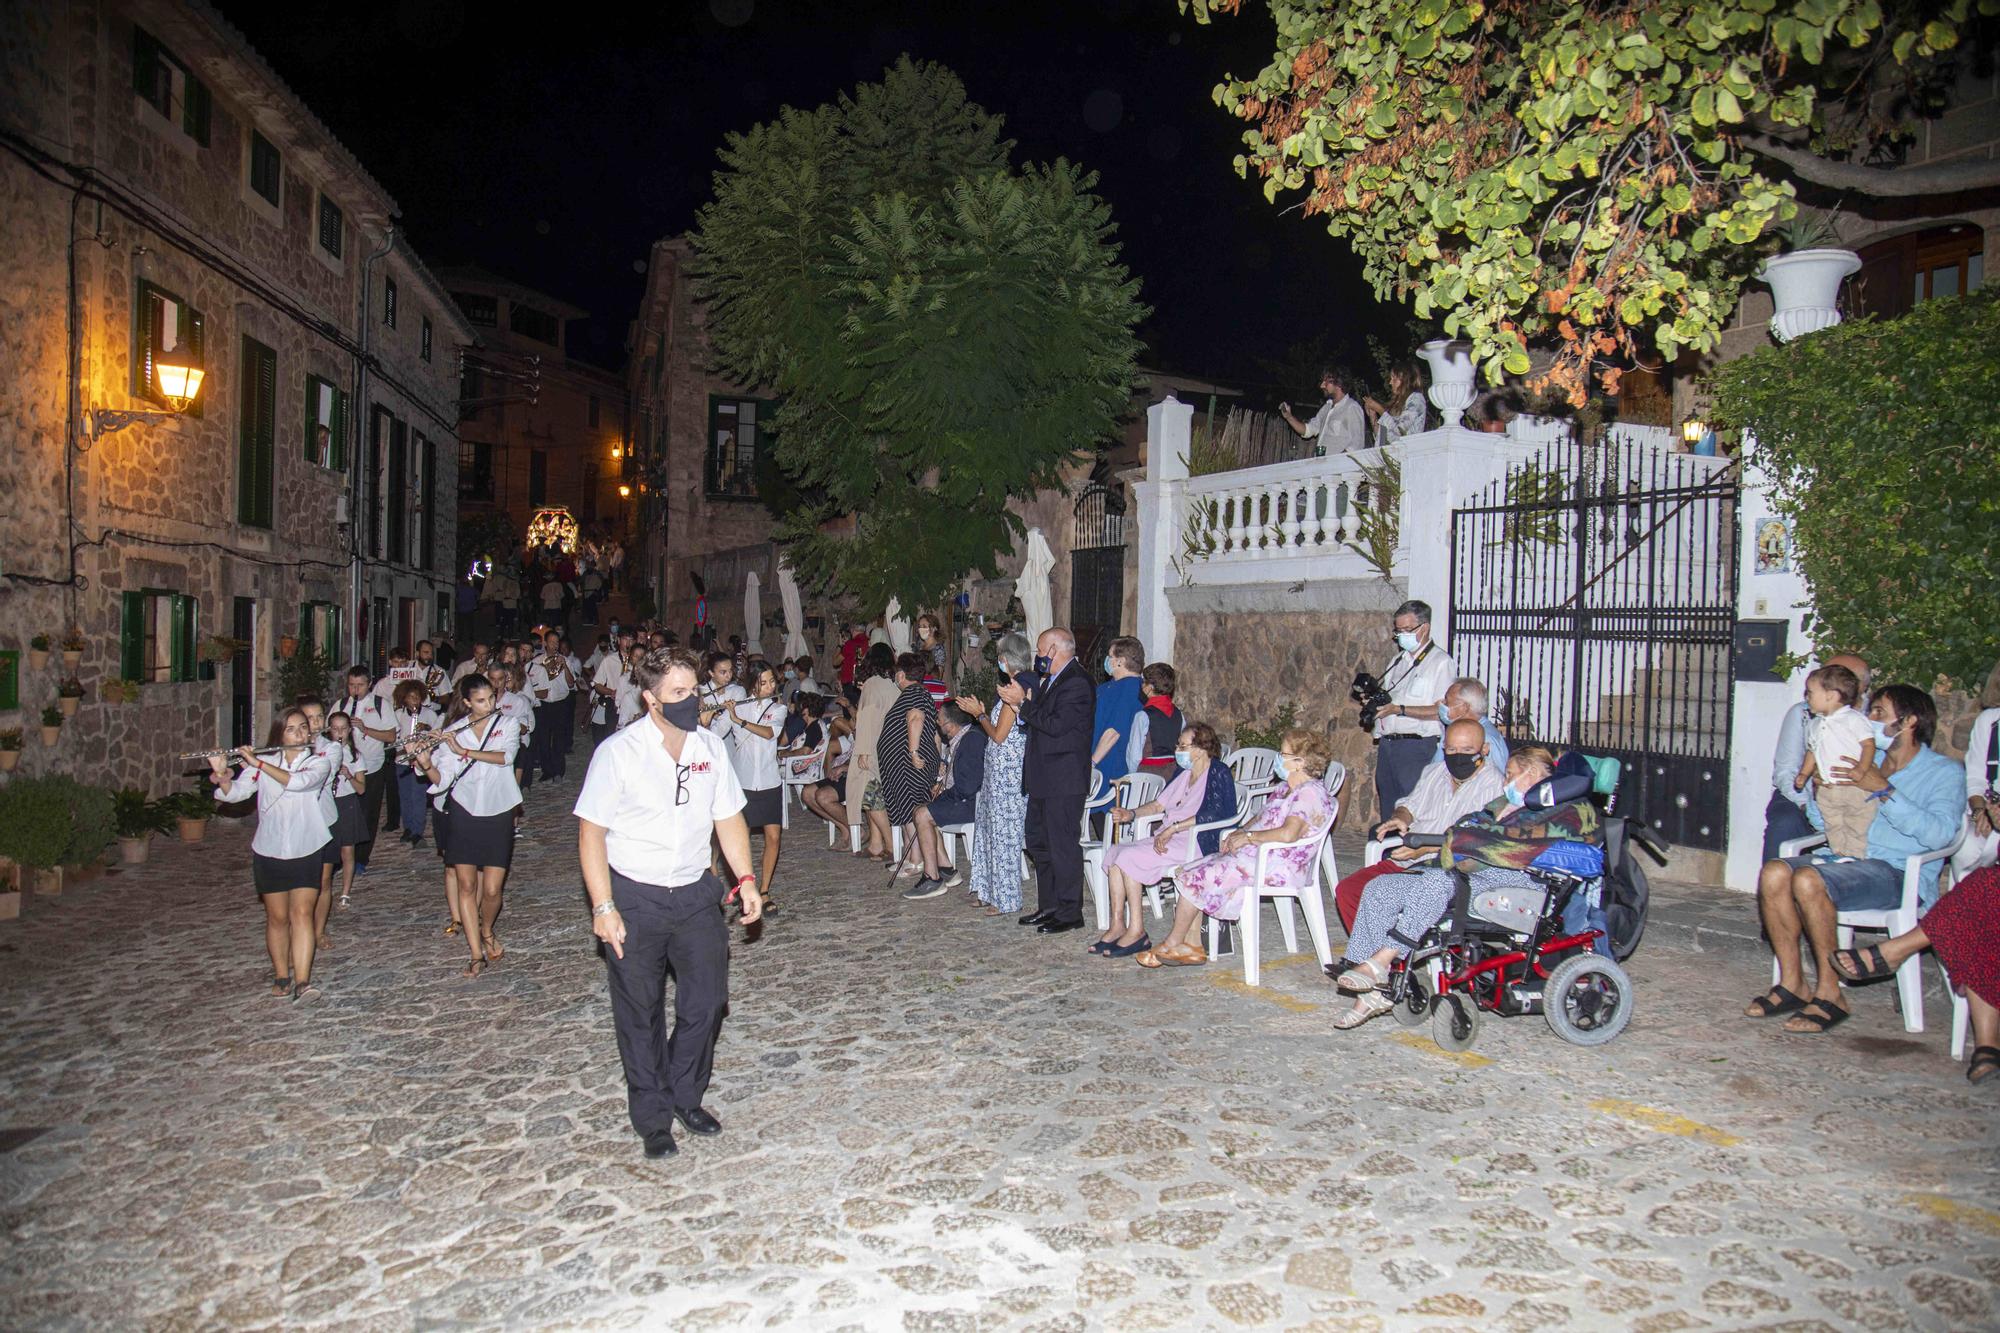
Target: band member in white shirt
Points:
(401, 669)
(434, 677)
(480, 661)
(374, 727)
(414, 715)
(472, 774)
(1407, 728)
(616, 698)
(286, 849)
(551, 681)
(315, 710)
(757, 722)
(350, 779)
(517, 705)
(718, 690)
(656, 793)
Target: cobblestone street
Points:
(934, 1119)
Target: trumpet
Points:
(229, 751)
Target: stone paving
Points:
(934, 1120)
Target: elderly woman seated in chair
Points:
(1493, 846)
(1218, 885)
(1203, 792)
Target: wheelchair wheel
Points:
(1455, 1022)
(1414, 1009)
(1587, 1000)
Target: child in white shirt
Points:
(1838, 737)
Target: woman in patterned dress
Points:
(907, 753)
(1000, 816)
(1215, 886)
(1963, 930)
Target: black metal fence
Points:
(1097, 571)
(1594, 591)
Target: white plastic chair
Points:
(1127, 793)
(1961, 1017)
(1310, 895)
(1255, 767)
(1894, 921)
(1241, 819)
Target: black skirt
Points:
(764, 807)
(273, 874)
(480, 840)
(350, 822)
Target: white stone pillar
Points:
(1160, 500)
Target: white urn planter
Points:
(1805, 290)
(1454, 381)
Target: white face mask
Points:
(1406, 640)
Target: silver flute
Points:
(227, 751)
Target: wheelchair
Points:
(1548, 950)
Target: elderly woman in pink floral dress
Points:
(1216, 885)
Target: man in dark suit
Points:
(1058, 706)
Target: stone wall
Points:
(1241, 654)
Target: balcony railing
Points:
(1306, 511)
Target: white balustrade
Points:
(1284, 512)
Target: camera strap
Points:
(1389, 686)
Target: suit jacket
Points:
(1059, 715)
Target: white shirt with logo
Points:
(659, 812)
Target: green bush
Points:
(91, 822)
(1251, 737)
(304, 673)
(1881, 441)
(35, 822)
(195, 804)
(135, 815)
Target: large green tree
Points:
(945, 329)
(1599, 176)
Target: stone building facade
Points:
(167, 198)
(538, 427)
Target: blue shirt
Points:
(1118, 701)
(1496, 747)
(1790, 755)
(1926, 801)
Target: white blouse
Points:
(480, 788)
(289, 822)
(711, 697)
(756, 756)
(1393, 426)
(521, 708)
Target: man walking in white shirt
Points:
(550, 682)
(374, 727)
(1340, 425)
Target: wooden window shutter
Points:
(312, 421)
(333, 632)
(339, 431)
(258, 434)
(146, 66)
(131, 635)
(183, 637)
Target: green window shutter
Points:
(146, 313)
(312, 419)
(258, 431)
(339, 431)
(333, 633)
(193, 335)
(131, 635)
(194, 117)
(183, 613)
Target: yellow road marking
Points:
(1664, 1122)
(1233, 983)
(1947, 1209)
(1418, 1042)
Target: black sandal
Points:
(1823, 1016)
(1859, 965)
(1985, 1064)
(1786, 1003)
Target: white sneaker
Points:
(957, 878)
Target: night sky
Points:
(557, 153)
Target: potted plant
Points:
(35, 829)
(93, 824)
(52, 720)
(190, 811)
(10, 889)
(117, 691)
(38, 652)
(10, 748)
(137, 818)
(220, 648)
(69, 694)
(1454, 380)
(1805, 276)
(73, 644)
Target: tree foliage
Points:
(944, 329)
(1566, 173)
(1881, 441)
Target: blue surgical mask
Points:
(1107, 664)
(1515, 796)
(1444, 715)
(1885, 740)
(1406, 640)
(1279, 768)
(1183, 758)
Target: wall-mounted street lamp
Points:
(624, 492)
(178, 379)
(617, 451)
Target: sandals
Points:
(1985, 1065)
(1102, 947)
(342, 902)
(307, 991)
(281, 987)
(451, 927)
(1858, 965)
(1766, 1007)
(1140, 945)
(1363, 977)
(474, 968)
(491, 942)
(1369, 1004)
(1820, 1016)
(1180, 955)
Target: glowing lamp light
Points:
(553, 527)
(1692, 430)
(617, 451)
(178, 380)
(624, 492)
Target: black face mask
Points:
(686, 714)
(1461, 766)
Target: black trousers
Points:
(599, 730)
(553, 724)
(1054, 844)
(1783, 822)
(678, 930)
(380, 783)
(1399, 762)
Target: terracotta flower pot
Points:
(46, 881)
(50, 735)
(71, 656)
(68, 703)
(38, 658)
(192, 830)
(8, 759)
(10, 906)
(132, 851)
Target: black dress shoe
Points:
(1036, 918)
(1057, 927)
(660, 1143)
(698, 1121)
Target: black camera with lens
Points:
(1368, 692)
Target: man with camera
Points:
(1401, 709)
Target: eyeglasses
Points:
(680, 784)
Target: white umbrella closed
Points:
(795, 614)
(753, 615)
(899, 627)
(1037, 602)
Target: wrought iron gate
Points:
(1097, 570)
(1594, 591)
